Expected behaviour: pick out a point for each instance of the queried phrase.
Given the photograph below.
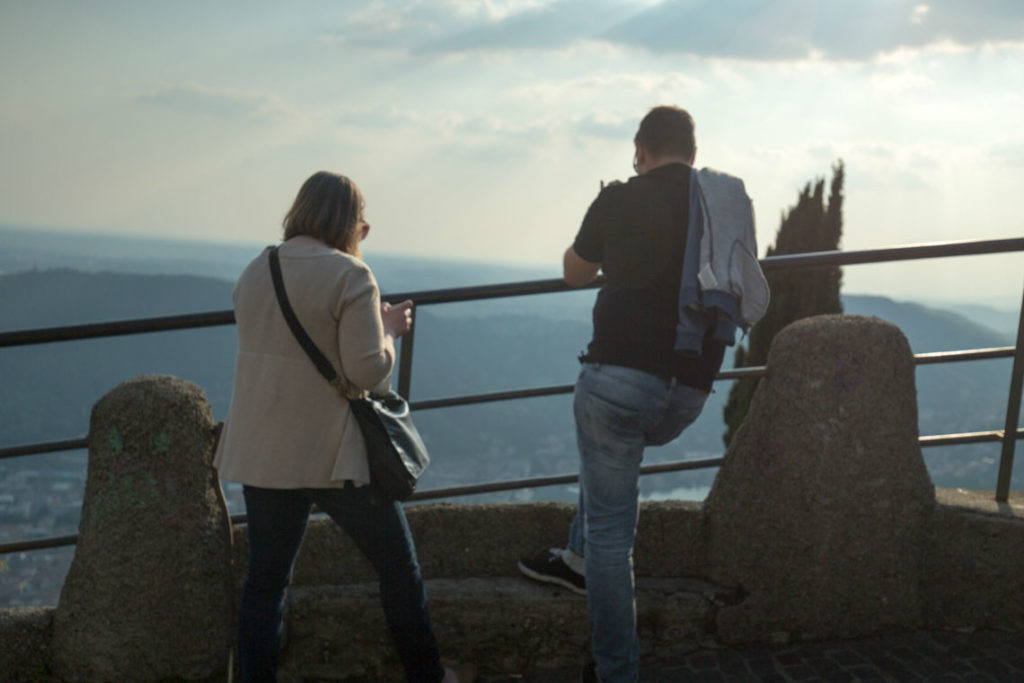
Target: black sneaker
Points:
(588, 674)
(549, 567)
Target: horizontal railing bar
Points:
(81, 444)
(554, 480)
(735, 373)
(955, 356)
(816, 259)
(117, 327)
(740, 373)
(966, 437)
(889, 254)
(38, 544)
(432, 494)
(513, 484)
(40, 448)
(479, 292)
(474, 399)
(475, 293)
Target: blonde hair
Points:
(328, 207)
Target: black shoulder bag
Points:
(394, 449)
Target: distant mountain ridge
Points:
(928, 328)
(50, 298)
(23, 249)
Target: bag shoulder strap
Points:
(323, 365)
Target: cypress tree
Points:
(810, 225)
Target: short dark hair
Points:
(328, 207)
(667, 130)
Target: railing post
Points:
(405, 360)
(1012, 414)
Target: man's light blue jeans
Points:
(618, 412)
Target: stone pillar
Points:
(820, 510)
(147, 594)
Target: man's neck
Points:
(665, 161)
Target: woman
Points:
(291, 439)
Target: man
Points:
(634, 389)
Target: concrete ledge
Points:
(461, 541)
(506, 625)
(972, 574)
(485, 612)
(982, 502)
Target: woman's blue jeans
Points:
(277, 522)
(618, 412)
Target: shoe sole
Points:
(546, 578)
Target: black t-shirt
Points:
(637, 231)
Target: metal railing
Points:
(1007, 437)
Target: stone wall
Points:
(822, 523)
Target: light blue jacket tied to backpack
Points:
(722, 285)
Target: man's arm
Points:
(576, 270)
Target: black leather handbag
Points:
(394, 449)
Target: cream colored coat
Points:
(287, 427)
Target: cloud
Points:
(442, 122)
(838, 29)
(472, 132)
(773, 30)
(444, 133)
(481, 136)
(463, 26)
(376, 117)
(581, 90)
(898, 83)
(216, 103)
(492, 9)
(390, 25)
(1007, 153)
(608, 127)
(875, 151)
(553, 26)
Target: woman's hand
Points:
(397, 319)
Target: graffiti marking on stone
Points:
(115, 442)
(162, 442)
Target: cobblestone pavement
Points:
(920, 656)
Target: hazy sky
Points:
(482, 129)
